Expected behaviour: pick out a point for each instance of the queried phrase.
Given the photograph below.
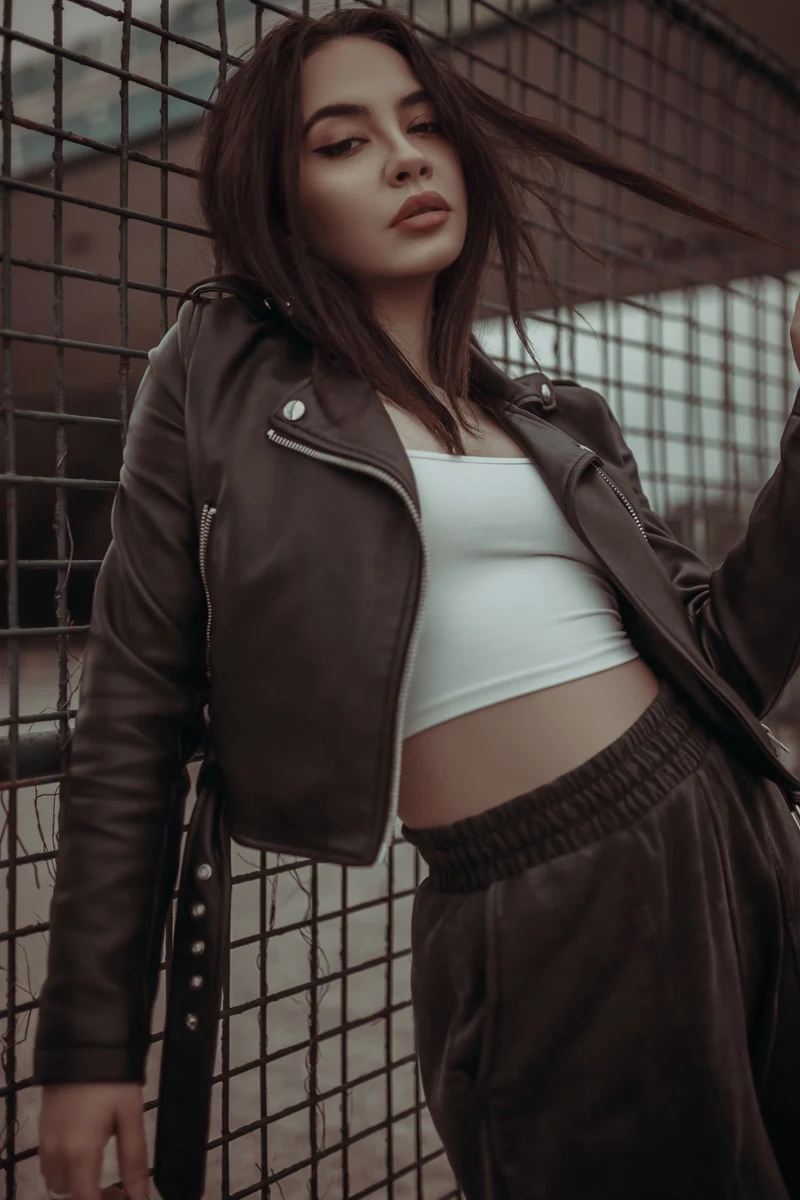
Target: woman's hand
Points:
(75, 1123)
(794, 332)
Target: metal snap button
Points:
(294, 410)
(198, 947)
(198, 909)
(196, 981)
(204, 871)
(191, 1021)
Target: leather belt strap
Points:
(194, 993)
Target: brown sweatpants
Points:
(606, 979)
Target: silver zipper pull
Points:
(775, 741)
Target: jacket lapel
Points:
(366, 434)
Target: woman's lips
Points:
(421, 221)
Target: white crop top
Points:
(515, 601)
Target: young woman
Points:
(375, 576)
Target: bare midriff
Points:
(476, 761)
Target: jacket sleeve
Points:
(139, 721)
(745, 611)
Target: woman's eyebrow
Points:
(356, 110)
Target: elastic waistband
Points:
(607, 793)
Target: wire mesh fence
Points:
(685, 331)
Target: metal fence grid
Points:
(317, 1090)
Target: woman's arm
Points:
(746, 611)
(139, 721)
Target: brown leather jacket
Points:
(251, 531)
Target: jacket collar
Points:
(533, 392)
(364, 433)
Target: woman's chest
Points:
(490, 441)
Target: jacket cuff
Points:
(89, 1064)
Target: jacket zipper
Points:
(775, 741)
(621, 495)
(206, 517)
(388, 832)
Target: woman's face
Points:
(350, 194)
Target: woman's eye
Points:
(334, 150)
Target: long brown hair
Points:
(248, 187)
